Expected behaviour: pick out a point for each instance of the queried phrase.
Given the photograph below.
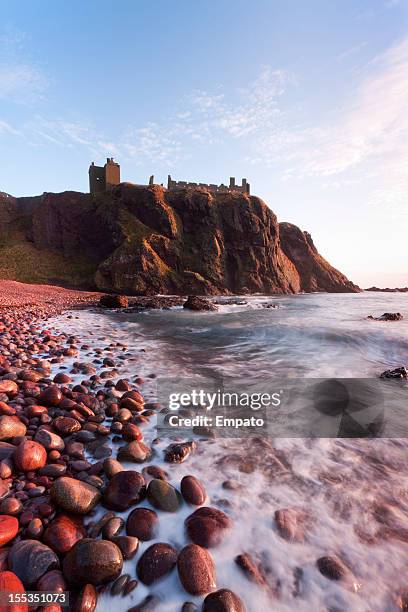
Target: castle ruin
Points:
(104, 178)
(243, 188)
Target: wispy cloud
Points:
(22, 80)
(369, 134)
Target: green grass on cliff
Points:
(22, 261)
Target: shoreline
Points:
(62, 421)
(281, 521)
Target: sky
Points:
(307, 100)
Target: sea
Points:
(351, 492)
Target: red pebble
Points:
(10, 583)
(8, 528)
(29, 456)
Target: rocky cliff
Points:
(145, 240)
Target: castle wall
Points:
(244, 188)
(97, 183)
(112, 174)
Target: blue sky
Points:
(307, 100)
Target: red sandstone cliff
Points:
(149, 240)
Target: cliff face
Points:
(313, 270)
(145, 240)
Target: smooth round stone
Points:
(5, 469)
(112, 467)
(34, 529)
(128, 546)
(8, 387)
(53, 469)
(125, 489)
(53, 582)
(196, 570)
(62, 378)
(189, 606)
(163, 496)
(193, 491)
(131, 432)
(119, 584)
(92, 561)
(51, 396)
(74, 496)
(66, 425)
(10, 583)
(206, 526)
(30, 560)
(154, 471)
(49, 439)
(11, 427)
(157, 561)
(63, 532)
(112, 528)
(86, 599)
(223, 600)
(11, 506)
(136, 452)
(29, 456)
(8, 528)
(142, 523)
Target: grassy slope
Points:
(22, 261)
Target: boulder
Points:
(114, 301)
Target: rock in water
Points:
(136, 452)
(8, 528)
(29, 456)
(333, 568)
(387, 316)
(194, 302)
(125, 489)
(251, 569)
(142, 523)
(128, 546)
(114, 301)
(30, 560)
(193, 491)
(92, 562)
(196, 570)
(206, 526)
(10, 583)
(289, 525)
(223, 600)
(74, 496)
(11, 427)
(86, 599)
(157, 561)
(163, 496)
(178, 452)
(399, 373)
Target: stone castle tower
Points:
(103, 178)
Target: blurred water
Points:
(353, 493)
